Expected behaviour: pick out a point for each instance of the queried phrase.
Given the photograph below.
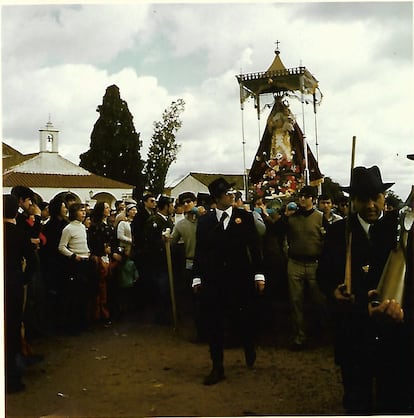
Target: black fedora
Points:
(164, 200)
(366, 182)
(186, 196)
(219, 187)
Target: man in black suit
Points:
(227, 273)
(371, 344)
(157, 229)
(145, 209)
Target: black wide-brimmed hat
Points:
(163, 201)
(203, 199)
(366, 181)
(185, 196)
(219, 187)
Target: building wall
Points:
(85, 195)
(188, 184)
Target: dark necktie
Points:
(223, 217)
(370, 230)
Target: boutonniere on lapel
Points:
(238, 221)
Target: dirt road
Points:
(137, 369)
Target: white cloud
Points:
(39, 35)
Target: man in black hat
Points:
(372, 352)
(227, 273)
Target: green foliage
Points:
(115, 145)
(392, 199)
(164, 148)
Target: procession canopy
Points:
(276, 79)
(279, 166)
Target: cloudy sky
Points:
(59, 59)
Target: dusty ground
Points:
(137, 369)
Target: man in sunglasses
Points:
(185, 232)
(305, 231)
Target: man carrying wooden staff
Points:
(156, 232)
(371, 344)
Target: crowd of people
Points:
(69, 267)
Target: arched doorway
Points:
(104, 197)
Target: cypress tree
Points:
(115, 145)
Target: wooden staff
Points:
(171, 280)
(348, 232)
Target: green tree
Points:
(115, 145)
(164, 148)
(392, 199)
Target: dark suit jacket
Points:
(365, 252)
(356, 333)
(227, 260)
(137, 227)
(153, 245)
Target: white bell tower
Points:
(49, 138)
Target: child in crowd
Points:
(105, 267)
(127, 277)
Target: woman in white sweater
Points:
(73, 242)
(78, 278)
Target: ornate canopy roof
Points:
(277, 78)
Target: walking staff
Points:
(347, 282)
(170, 276)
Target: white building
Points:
(198, 183)
(48, 174)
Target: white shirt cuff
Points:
(196, 281)
(259, 277)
